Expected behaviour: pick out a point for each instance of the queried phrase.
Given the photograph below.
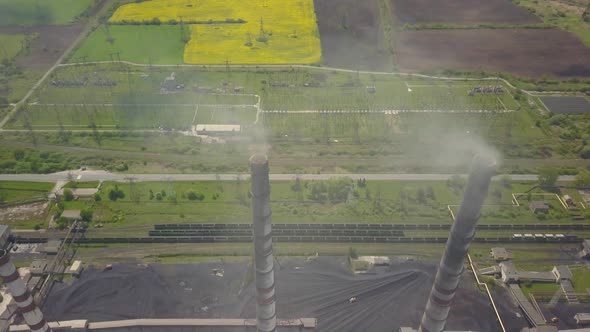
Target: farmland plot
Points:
(237, 32)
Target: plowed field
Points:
(461, 11)
(526, 52)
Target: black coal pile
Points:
(391, 297)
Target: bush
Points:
(191, 195)
(68, 195)
(97, 197)
(585, 152)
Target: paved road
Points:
(92, 175)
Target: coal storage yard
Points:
(386, 299)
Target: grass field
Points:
(334, 201)
(11, 45)
(132, 43)
(260, 32)
(11, 191)
(35, 12)
(136, 102)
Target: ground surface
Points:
(316, 289)
(352, 35)
(565, 14)
(32, 12)
(460, 11)
(567, 105)
(47, 47)
(521, 52)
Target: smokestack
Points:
(266, 318)
(16, 286)
(462, 232)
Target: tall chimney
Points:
(24, 301)
(266, 318)
(462, 232)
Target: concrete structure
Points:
(509, 273)
(539, 207)
(462, 233)
(301, 324)
(217, 129)
(534, 317)
(72, 214)
(27, 307)
(542, 328)
(38, 267)
(266, 318)
(562, 272)
(582, 318)
(512, 275)
(51, 247)
(4, 235)
(500, 254)
(76, 268)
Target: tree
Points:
(585, 152)
(583, 179)
(19, 154)
(421, 196)
(97, 197)
(430, 193)
(68, 195)
(548, 177)
(193, 196)
(116, 193)
(86, 214)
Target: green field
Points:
(10, 45)
(11, 191)
(36, 12)
(146, 44)
(137, 102)
(334, 201)
(131, 116)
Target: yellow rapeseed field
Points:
(274, 32)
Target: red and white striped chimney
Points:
(16, 286)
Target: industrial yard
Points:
(309, 165)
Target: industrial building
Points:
(500, 254)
